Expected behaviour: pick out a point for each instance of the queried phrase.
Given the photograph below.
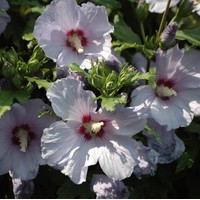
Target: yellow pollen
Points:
(75, 41)
(96, 127)
(163, 91)
(23, 139)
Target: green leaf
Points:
(120, 46)
(7, 98)
(109, 103)
(28, 36)
(194, 127)
(124, 33)
(191, 35)
(76, 68)
(41, 83)
(185, 161)
(152, 133)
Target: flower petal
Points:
(118, 156)
(69, 100)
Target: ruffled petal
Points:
(96, 15)
(159, 6)
(69, 100)
(173, 113)
(142, 97)
(124, 121)
(167, 62)
(118, 156)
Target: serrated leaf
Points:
(111, 102)
(41, 83)
(191, 35)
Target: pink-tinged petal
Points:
(173, 113)
(142, 97)
(69, 100)
(124, 121)
(118, 156)
(167, 62)
(96, 15)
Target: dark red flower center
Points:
(164, 89)
(76, 40)
(91, 129)
(22, 136)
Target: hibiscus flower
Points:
(20, 133)
(86, 136)
(69, 33)
(176, 98)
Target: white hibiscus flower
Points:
(86, 136)
(69, 33)
(176, 98)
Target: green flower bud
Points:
(8, 70)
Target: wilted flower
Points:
(69, 33)
(176, 98)
(148, 160)
(22, 189)
(169, 34)
(86, 136)
(20, 133)
(167, 144)
(106, 188)
(4, 18)
(159, 6)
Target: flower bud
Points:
(169, 34)
(8, 70)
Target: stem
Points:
(143, 32)
(162, 24)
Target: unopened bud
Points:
(169, 34)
